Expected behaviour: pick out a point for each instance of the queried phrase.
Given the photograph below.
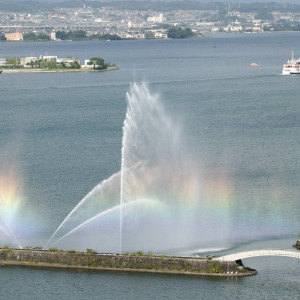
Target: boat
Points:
(254, 65)
(292, 66)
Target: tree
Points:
(2, 37)
(29, 36)
(97, 62)
(75, 65)
(61, 35)
(43, 36)
(11, 61)
(179, 33)
(36, 37)
(108, 36)
(78, 35)
(45, 64)
(149, 35)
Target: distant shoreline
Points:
(14, 71)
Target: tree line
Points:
(96, 63)
(77, 35)
(82, 35)
(180, 33)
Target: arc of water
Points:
(110, 210)
(9, 232)
(79, 205)
(86, 222)
(5, 232)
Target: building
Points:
(69, 61)
(87, 64)
(156, 19)
(29, 62)
(15, 36)
(48, 58)
(235, 28)
(53, 35)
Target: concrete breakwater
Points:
(116, 262)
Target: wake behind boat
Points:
(291, 66)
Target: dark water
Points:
(61, 134)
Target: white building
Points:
(86, 64)
(2, 61)
(53, 35)
(68, 61)
(156, 19)
(49, 58)
(27, 62)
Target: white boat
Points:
(254, 65)
(291, 66)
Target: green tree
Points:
(97, 62)
(179, 33)
(11, 61)
(75, 65)
(62, 35)
(43, 37)
(108, 36)
(45, 64)
(29, 36)
(149, 35)
(78, 35)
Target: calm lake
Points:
(61, 135)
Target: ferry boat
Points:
(291, 66)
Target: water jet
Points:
(154, 166)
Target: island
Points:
(127, 262)
(53, 64)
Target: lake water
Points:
(61, 135)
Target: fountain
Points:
(7, 231)
(157, 202)
(163, 199)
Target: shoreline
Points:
(15, 71)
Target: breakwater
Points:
(137, 262)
